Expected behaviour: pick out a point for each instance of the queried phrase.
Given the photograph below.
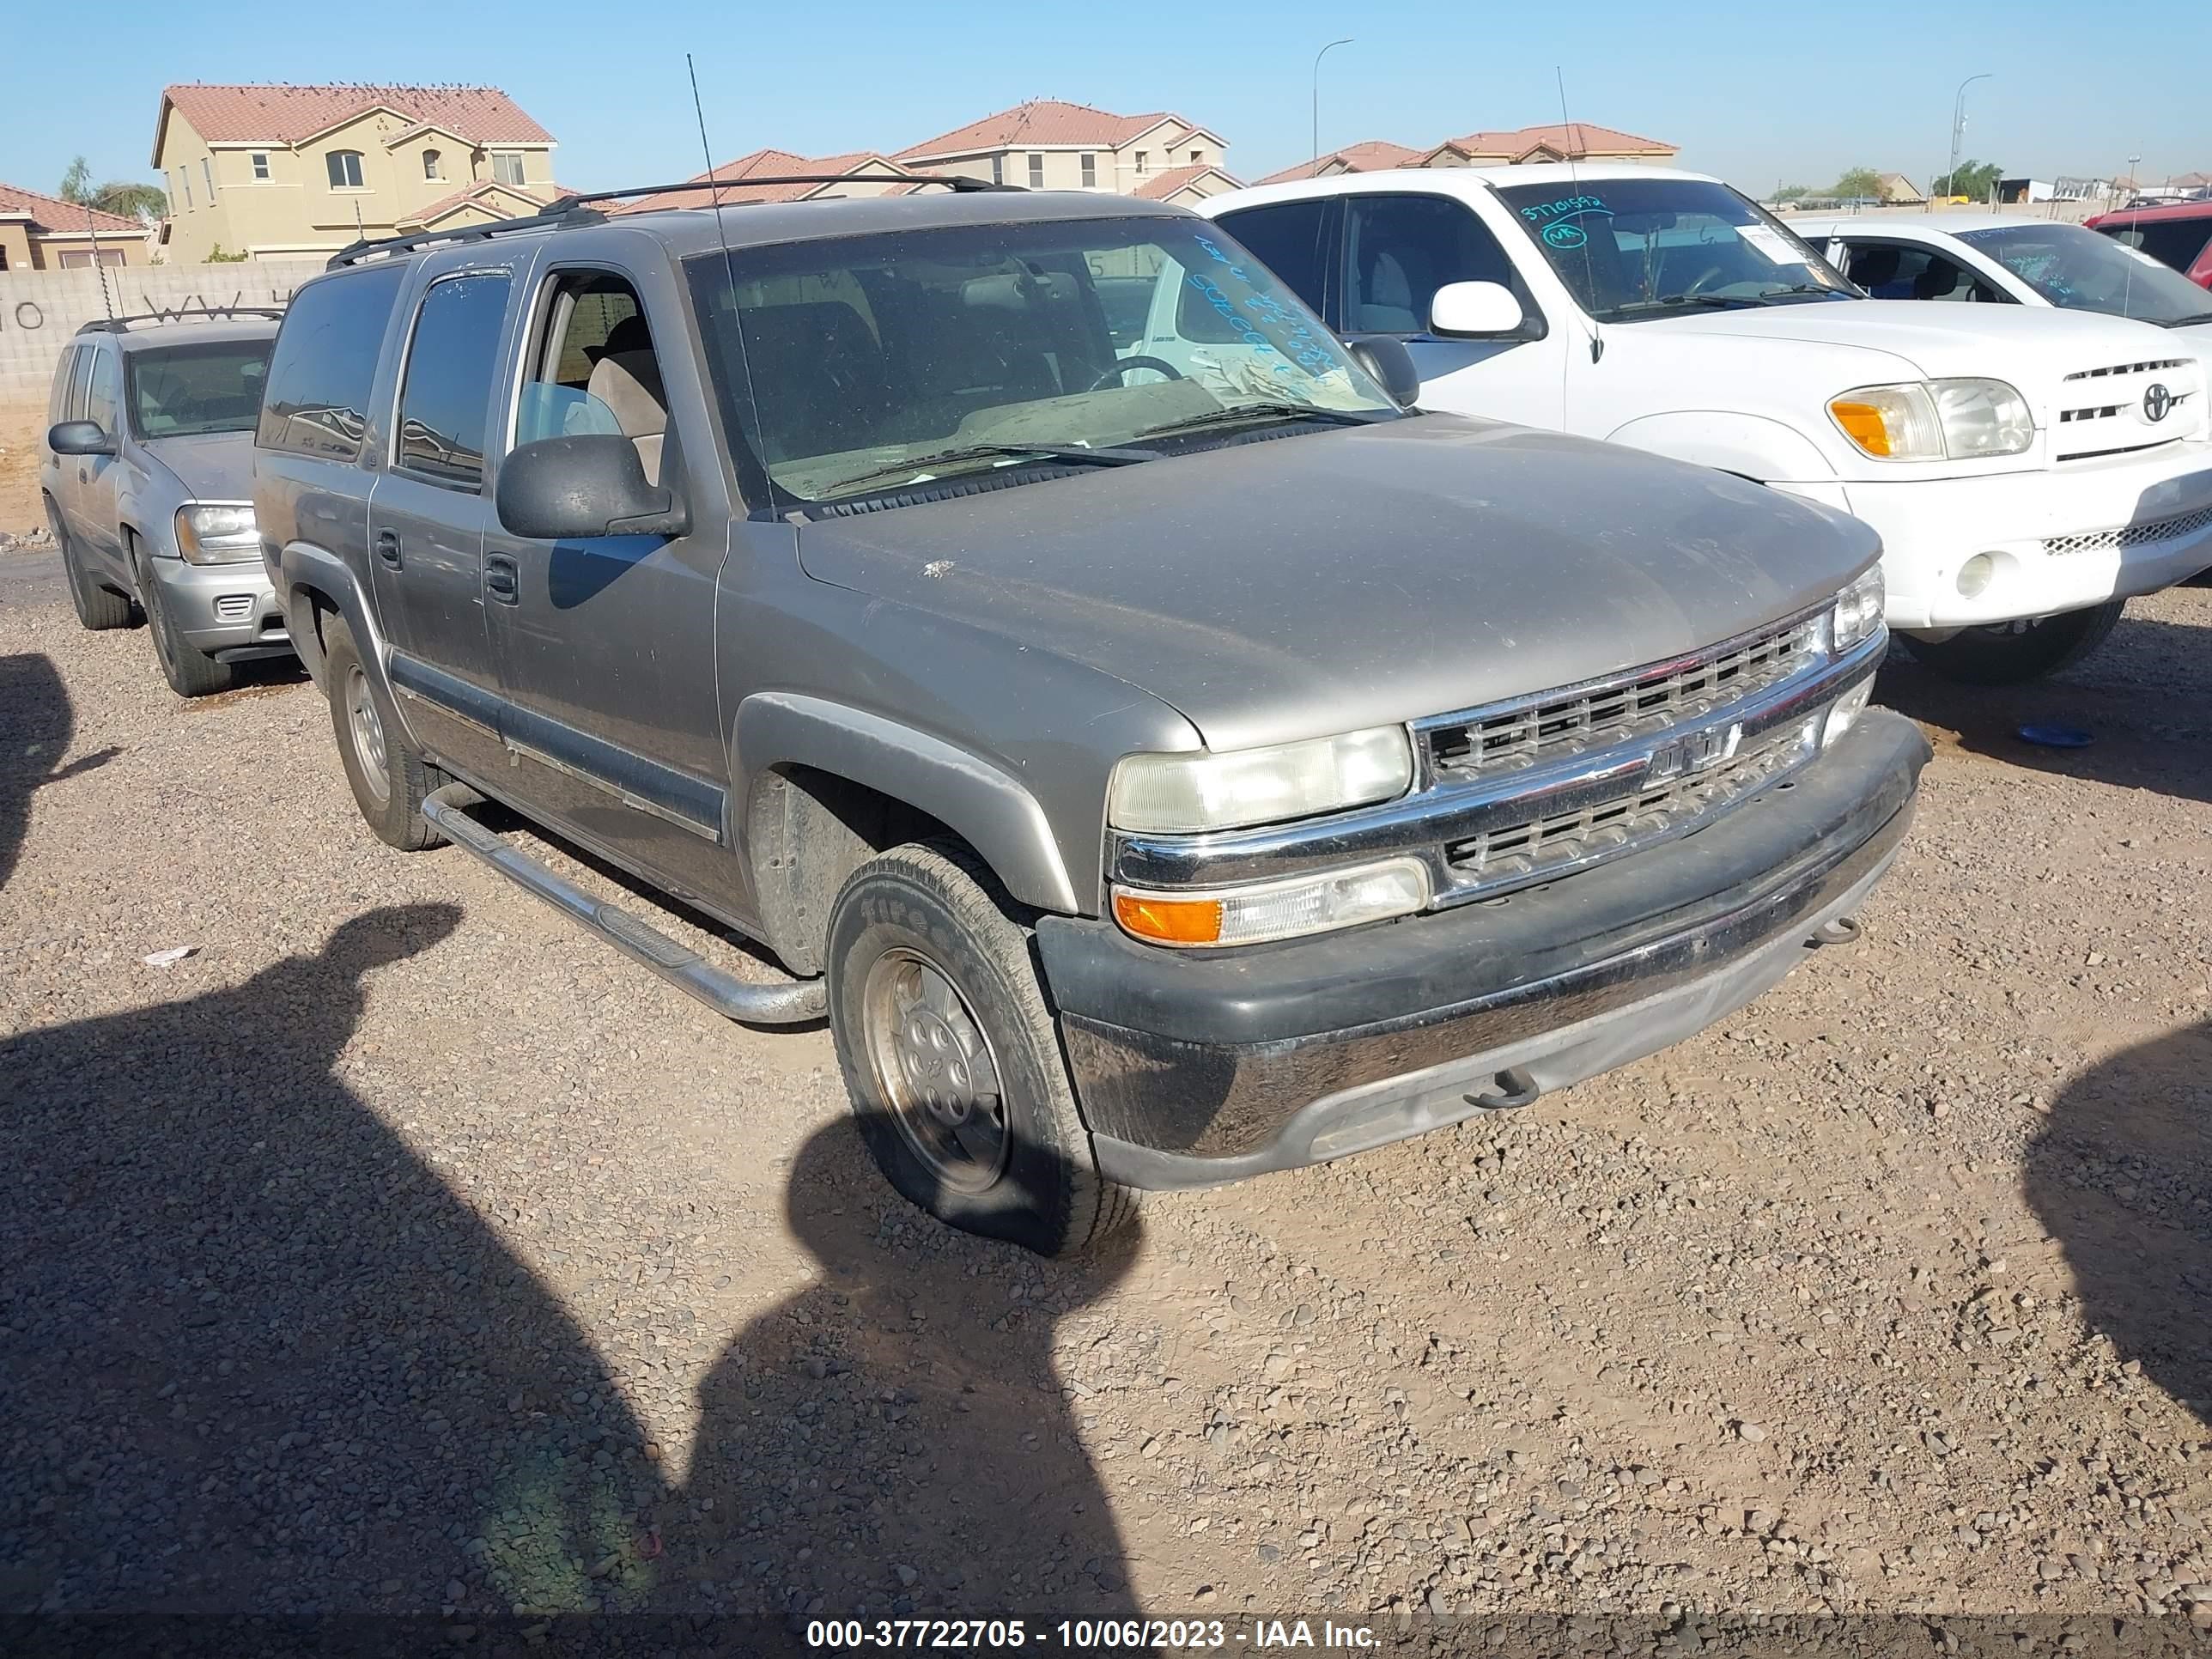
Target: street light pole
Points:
(1958, 127)
(1318, 56)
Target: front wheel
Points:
(952, 1059)
(2014, 653)
(190, 672)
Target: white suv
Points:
(2027, 469)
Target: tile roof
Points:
(766, 163)
(286, 114)
(1042, 121)
(1160, 185)
(51, 213)
(476, 193)
(1585, 139)
(1369, 156)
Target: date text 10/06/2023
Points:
(1087, 1635)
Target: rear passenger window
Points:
(323, 365)
(57, 399)
(80, 373)
(446, 396)
(1287, 239)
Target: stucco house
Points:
(44, 232)
(279, 172)
(1557, 141)
(1046, 144)
(861, 172)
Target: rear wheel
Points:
(2014, 653)
(190, 672)
(951, 1059)
(97, 607)
(389, 777)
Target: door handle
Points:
(84, 475)
(502, 579)
(387, 547)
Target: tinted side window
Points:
(57, 399)
(446, 396)
(1399, 250)
(323, 365)
(80, 373)
(1287, 237)
(2176, 245)
(103, 397)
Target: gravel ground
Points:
(403, 1250)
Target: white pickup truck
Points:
(2028, 469)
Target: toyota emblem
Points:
(2158, 402)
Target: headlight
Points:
(1936, 420)
(217, 535)
(1858, 609)
(1172, 794)
(1275, 909)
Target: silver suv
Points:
(146, 472)
(1158, 771)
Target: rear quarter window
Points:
(323, 365)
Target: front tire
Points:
(952, 1059)
(389, 777)
(190, 672)
(97, 608)
(2012, 653)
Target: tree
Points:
(1859, 182)
(1974, 180)
(1793, 192)
(121, 196)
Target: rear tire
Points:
(389, 777)
(2012, 653)
(98, 608)
(952, 1059)
(190, 672)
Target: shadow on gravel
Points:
(893, 1440)
(258, 1355)
(2122, 1177)
(36, 723)
(2148, 732)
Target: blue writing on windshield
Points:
(1263, 321)
(1567, 207)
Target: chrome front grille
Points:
(2133, 535)
(1489, 742)
(1544, 845)
(2111, 414)
(2127, 368)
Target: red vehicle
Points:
(2180, 235)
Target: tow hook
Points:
(1509, 1090)
(1844, 930)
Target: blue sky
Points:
(1758, 95)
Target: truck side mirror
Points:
(575, 487)
(80, 438)
(1475, 311)
(1391, 365)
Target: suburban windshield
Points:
(1631, 249)
(2081, 270)
(211, 386)
(872, 363)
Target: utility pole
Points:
(1318, 56)
(1958, 130)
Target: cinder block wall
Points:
(40, 310)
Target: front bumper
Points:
(229, 612)
(2064, 538)
(1195, 1068)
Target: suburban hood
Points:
(213, 467)
(1327, 581)
(2027, 345)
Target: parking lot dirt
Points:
(403, 1250)
(20, 426)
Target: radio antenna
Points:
(730, 282)
(1575, 177)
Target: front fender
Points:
(982, 803)
(1754, 446)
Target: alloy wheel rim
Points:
(366, 727)
(934, 1067)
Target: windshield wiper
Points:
(1668, 301)
(2193, 318)
(1803, 288)
(1272, 410)
(1081, 456)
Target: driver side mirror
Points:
(1391, 365)
(572, 488)
(1475, 311)
(80, 438)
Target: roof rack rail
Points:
(121, 325)
(578, 209)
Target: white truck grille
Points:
(2118, 408)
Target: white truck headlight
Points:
(1960, 420)
(1253, 912)
(217, 535)
(1196, 791)
(1859, 609)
